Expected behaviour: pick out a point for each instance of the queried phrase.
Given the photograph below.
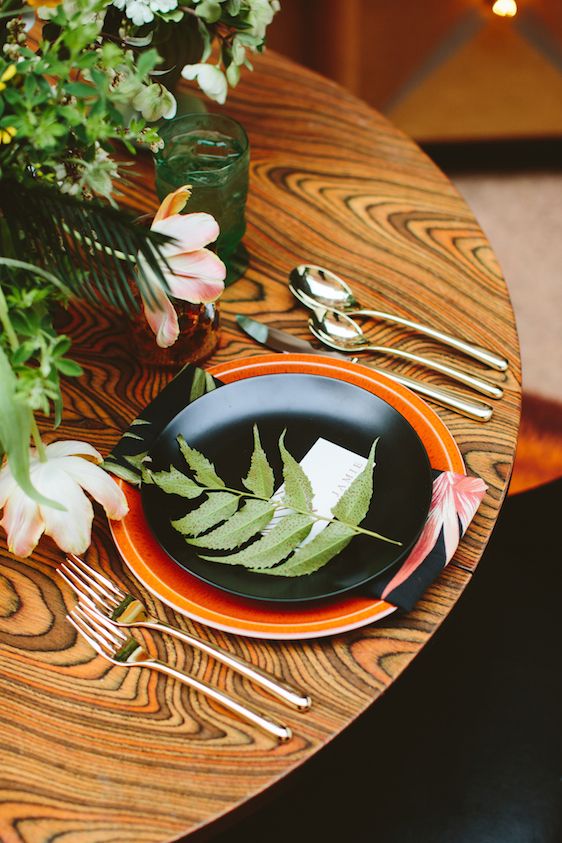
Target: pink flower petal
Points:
(99, 485)
(173, 203)
(198, 276)
(22, 522)
(191, 231)
(164, 320)
(196, 290)
(202, 264)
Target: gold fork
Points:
(120, 649)
(125, 610)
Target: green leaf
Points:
(353, 505)
(260, 480)
(136, 460)
(271, 548)
(217, 507)
(249, 520)
(173, 482)
(146, 60)
(209, 10)
(97, 249)
(316, 553)
(69, 367)
(203, 470)
(202, 383)
(121, 471)
(298, 489)
(80, 89)
(15, 431)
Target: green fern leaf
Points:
(354, 504)
(121, 471)
(95, 248)
(316, 553)
(201, 384)
(260, 480)
(240, 528)
(218, 507)
(298, 489)
(203, 470)
(173, 482)
(271, 548)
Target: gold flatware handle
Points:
(281, 690)
(266, 724)
(479, 384)
(476, 410)
(489, 358)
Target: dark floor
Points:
(473, 723)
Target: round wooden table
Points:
(93, 753)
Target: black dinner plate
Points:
(309, 406)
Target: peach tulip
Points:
(195, 274)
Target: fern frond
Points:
(92, 247)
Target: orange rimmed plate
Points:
(212, 607)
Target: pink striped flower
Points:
(196, 274)
(455, 499)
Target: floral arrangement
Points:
(78, 96)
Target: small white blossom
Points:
(210, 79)
(142, 11)
(260, 17)
(155, 101)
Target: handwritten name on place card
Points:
(331, 470)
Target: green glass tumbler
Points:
(211, 153)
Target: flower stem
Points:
(6, 323)
(41, 450)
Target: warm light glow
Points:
(505, 8)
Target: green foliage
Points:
(202, 383)
(173, 482)
(66, 102)
(16, 421)
(249, 520)
(298, 488)
(238, 27)
(275, 539)
(317, 552)
(203, 470)
(260, 479)
(218, 507)
(34, 351)
(92, 246)
(353, 505)
(271, 548)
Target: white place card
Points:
(331, 470)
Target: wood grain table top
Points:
(95, 754)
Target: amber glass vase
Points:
(197, 340)
(198, 329)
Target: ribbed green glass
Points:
(211, 153)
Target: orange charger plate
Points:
(213, 607)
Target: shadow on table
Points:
(471, 728)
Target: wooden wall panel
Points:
(412, 58)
